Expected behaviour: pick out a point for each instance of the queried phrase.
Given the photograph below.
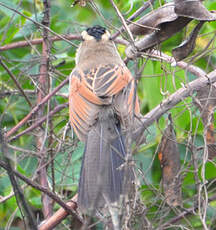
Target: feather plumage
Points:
(102, 105)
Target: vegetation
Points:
(38, 41)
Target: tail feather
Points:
(102, 172)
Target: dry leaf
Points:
(169, 157)
(187, 46)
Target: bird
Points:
(102, 106)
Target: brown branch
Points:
(20, 199)
(43, 88)
(15, 81)
(40, 121)
(145, 6)
(36, 108)
(42, 189)
(38, 41)
(38, 24)
(184, 214)
(58, 216)
(174, 99)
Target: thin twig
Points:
(15, 81)
(134, 15)
(38, 24)
(36, 108)
(26, 91)
(123, 21)
(40, 121)
(21, 201)
(175, 98)
(42, 189)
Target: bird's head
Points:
(97, 33)
(97, 48)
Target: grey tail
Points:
(103, 170)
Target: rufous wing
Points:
(83, 105)
(90, 89)
(110, 80)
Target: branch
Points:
(36, 108)
(38, 24)
(26, 91)
(38, 41)
(174, 99)
(184, 65)
(15, 81)
(145, 6)
(40, 121)
(42, 189)
(60, 215)
(43, 89)
(21, 201)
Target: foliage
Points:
(159, 80)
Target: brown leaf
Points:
(154, 19)
(187, 46)
(163, 23)
(193, 9)
(167, 30)
(169, 157)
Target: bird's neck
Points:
(91, 55)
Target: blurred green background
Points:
(159, 79)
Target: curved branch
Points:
(174, 99)
(181, 64)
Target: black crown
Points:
(96, 31)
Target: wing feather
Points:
(131, 100)
(110, 80)
(90, 89)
